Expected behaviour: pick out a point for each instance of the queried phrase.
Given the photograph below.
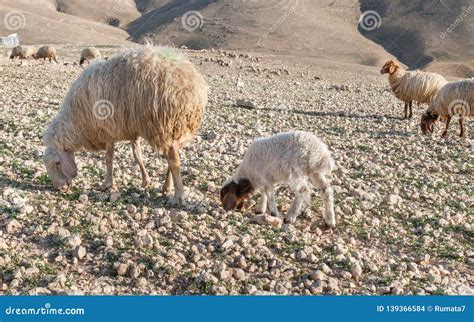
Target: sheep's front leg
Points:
(271, 202)
(327, 193)
(262, 207)
(410, 105)
(406, 110)
(174, 166)
(301, 197)
(445, 133)
(109, 159)
(137, 154)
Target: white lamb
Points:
(293, 158)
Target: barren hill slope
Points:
(323, 29)
(40, 22)
(439, 34)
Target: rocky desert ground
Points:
(404, 201)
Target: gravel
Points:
(404, 201)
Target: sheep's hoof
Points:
(107, 186)
(289, 219)
(167, 188)
(176, 202)
(146, 183)
(327, 226)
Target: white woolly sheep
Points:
(287, 158)
(89, 54)
(145, 92)
(410, 86)
(455, 98)
(47, 52)
(23, 52)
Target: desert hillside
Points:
(438, 35)
(42, 22)
(416, 32)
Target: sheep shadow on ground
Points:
(332, 114)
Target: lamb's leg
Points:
(327, 193)
(109, 159)
(137, 154)
(262, 207)
(411, 109)
(461, 124)
(445, 133)
(301, 197)
(168, 182)
(271, 202)
(174, 163)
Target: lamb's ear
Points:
(244, 187)
(68, 164)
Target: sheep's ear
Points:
(229, 201)
(68, 164)
(391, 68)
(244, 187)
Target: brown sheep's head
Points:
(427, 122)
(389, 67)
(233, 194)
(61, 167)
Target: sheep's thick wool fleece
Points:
(455, 97)
(287, 157)
(416, 86)
(145, 92)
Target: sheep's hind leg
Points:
(445, 133)
(406, 110)
(327, 193)
(174, 166)
(410, 105)
(301, 198)
(109, 159)
(461, 124)
(137, 154)
(262, 207)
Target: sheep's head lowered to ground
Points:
(427, 122)
(389, 67)
(61, 166)
(233, 194)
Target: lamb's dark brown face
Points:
(234, 194)
(427, 122)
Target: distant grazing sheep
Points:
(455, 98)
(417, 86)
(47, 52)
(293, 158)
(89, 54)
(23, 52)
(148, 92)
